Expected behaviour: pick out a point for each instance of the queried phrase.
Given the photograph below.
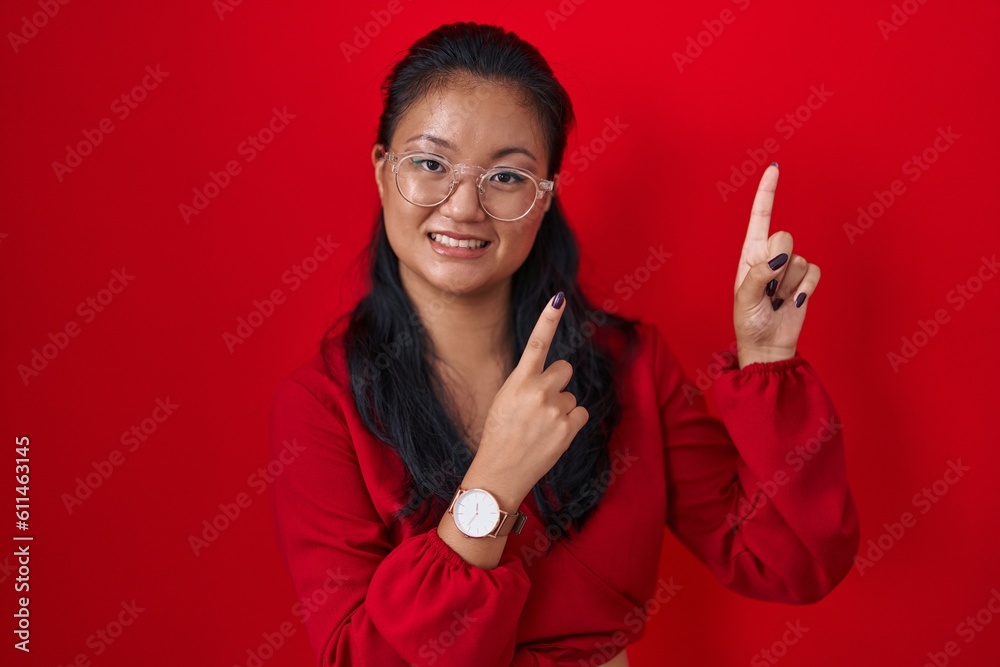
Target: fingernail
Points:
(557, 302)
(800, 299)
(771, 287)
(776, 304)
(774, 164)
(778, 261)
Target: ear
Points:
(555, 188)
(377, 152)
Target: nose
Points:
(463, 203)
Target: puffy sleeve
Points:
(761, 497)
(363, 600)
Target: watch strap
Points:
(509, 523)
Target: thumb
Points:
(752, 291)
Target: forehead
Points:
(476, 117)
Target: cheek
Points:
(400, 229)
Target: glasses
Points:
(428, 179)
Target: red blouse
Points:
(760, 497)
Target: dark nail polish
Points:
(778, 261)
(800, 299)
(776, 304)
(774, 164)
(557, 302)
(771, 287)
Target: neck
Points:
(469, 332)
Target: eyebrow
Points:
(503, 152)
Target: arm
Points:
(762, 498)
(418, 602)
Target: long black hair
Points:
(399, 395)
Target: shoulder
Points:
(648, 365)
(323, 375)
(628, 341)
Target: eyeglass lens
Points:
(505, 194)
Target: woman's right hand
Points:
(531, 421)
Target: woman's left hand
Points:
(772, 285)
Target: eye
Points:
(429, 164)
(508, 178)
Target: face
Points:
(468, 123)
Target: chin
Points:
(457, 286)
(461, 283)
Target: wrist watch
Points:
(477, 514)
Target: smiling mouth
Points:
(474, 244)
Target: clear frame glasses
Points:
(428, 179)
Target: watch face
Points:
(476, 513)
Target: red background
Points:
(655, 183)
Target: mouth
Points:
(451, 242)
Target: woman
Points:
(486, 468)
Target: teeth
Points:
(454, 243)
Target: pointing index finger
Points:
(537, 347)
(760, 214)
